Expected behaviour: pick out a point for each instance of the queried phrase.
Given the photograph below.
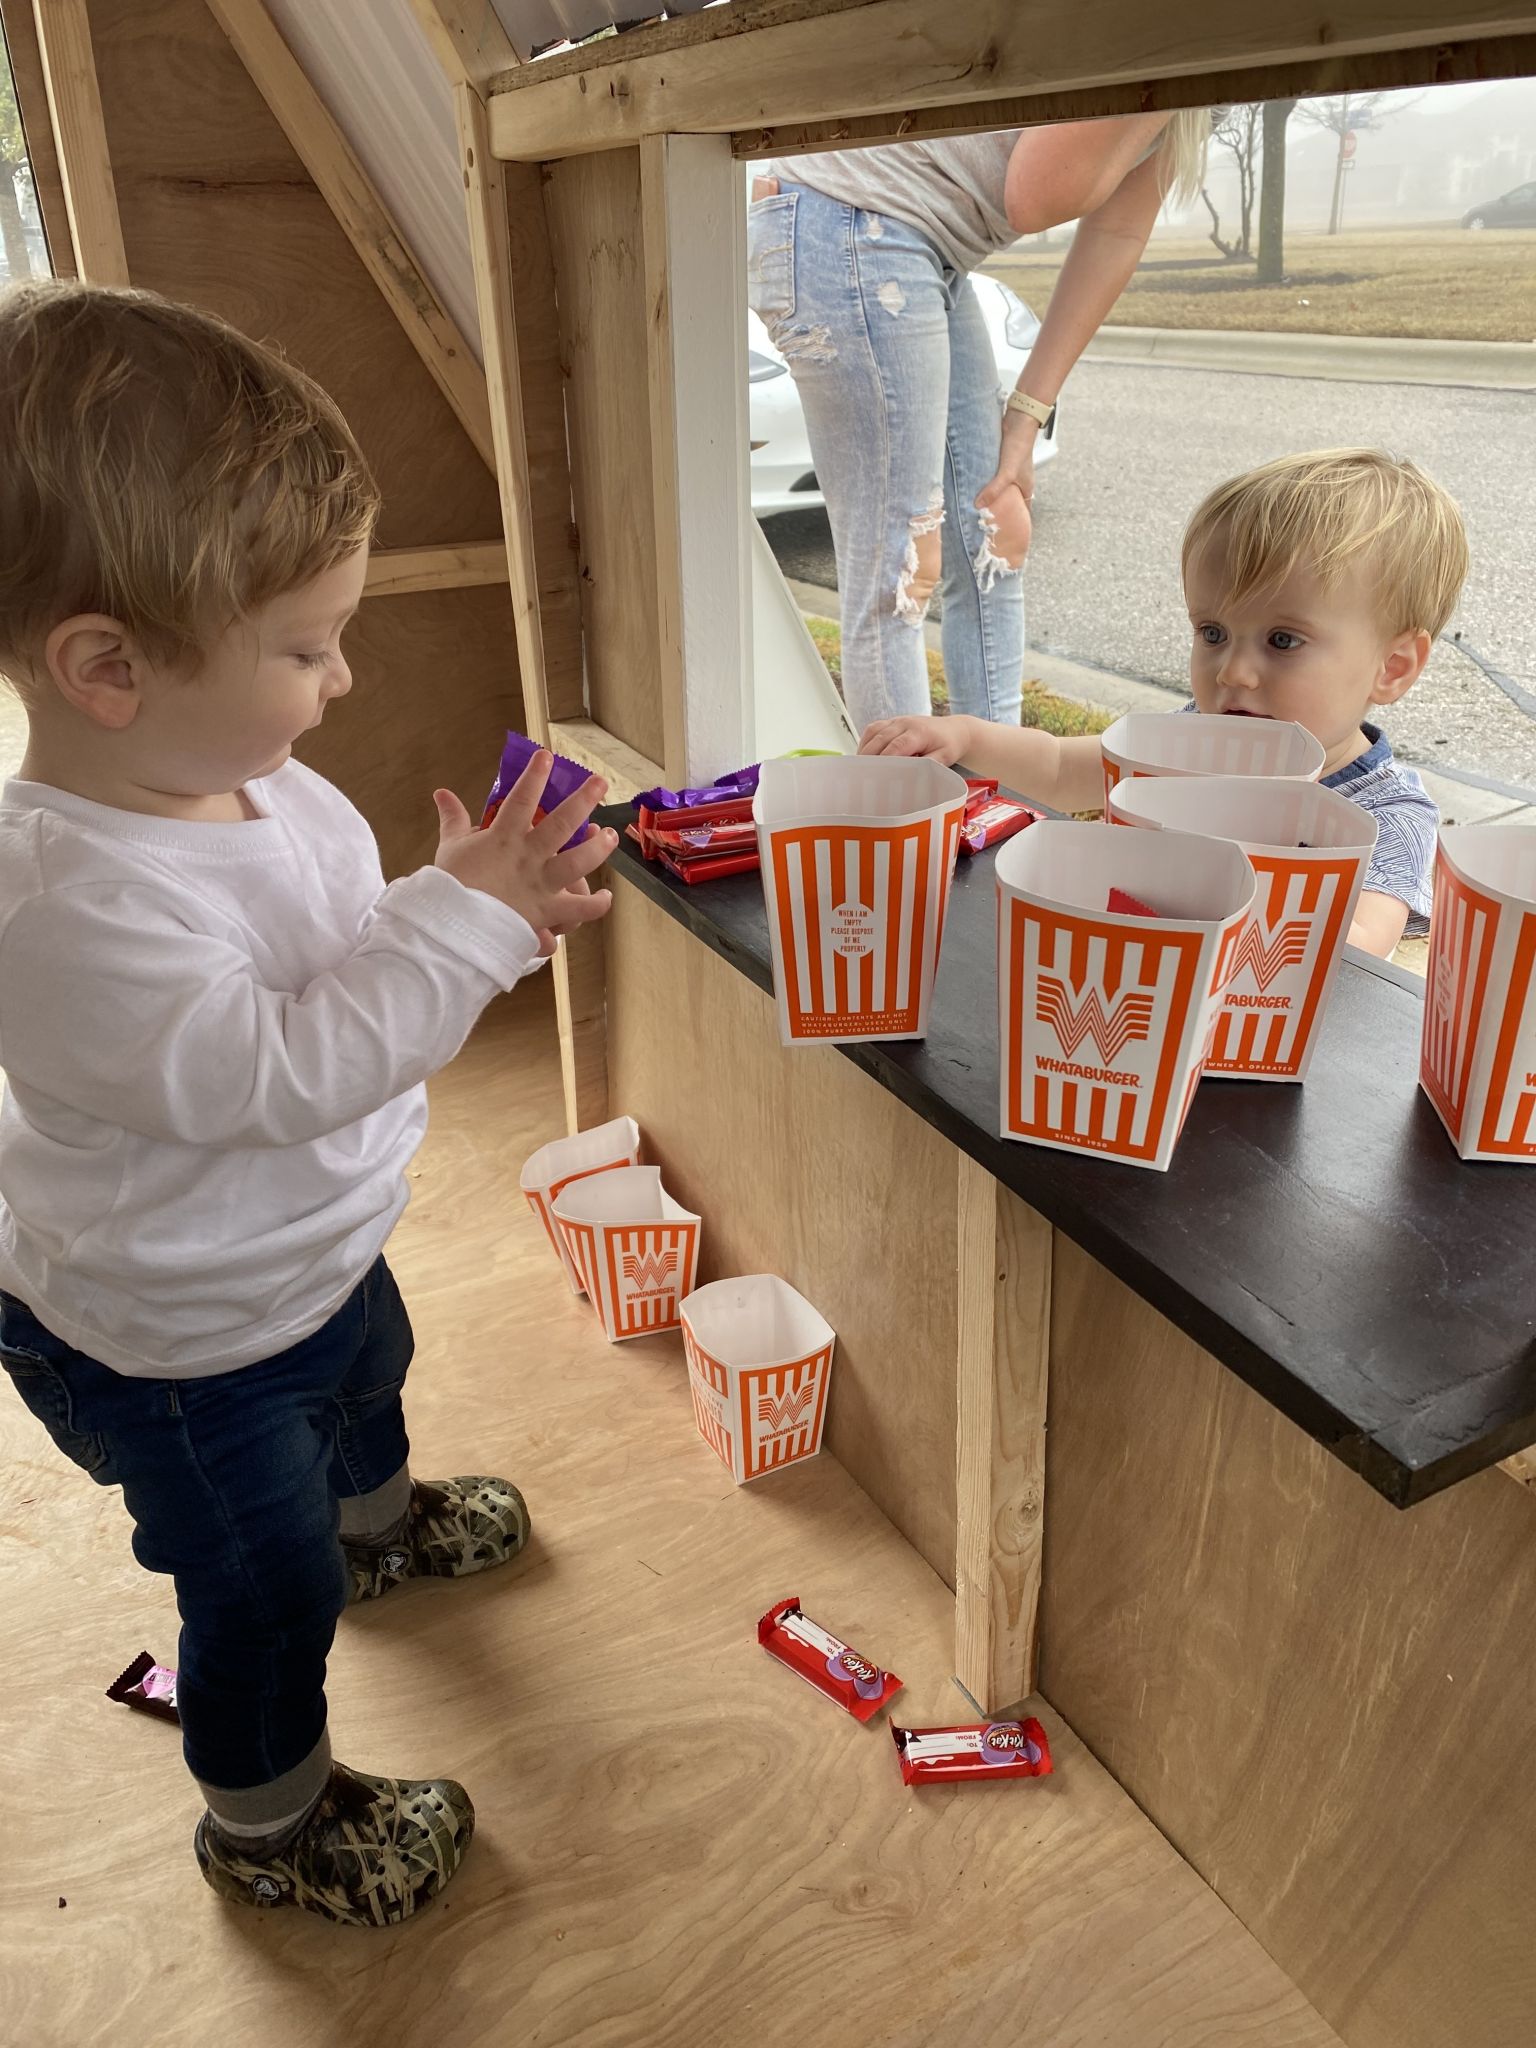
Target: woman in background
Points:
(858, 268)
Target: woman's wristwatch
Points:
(1044, 416)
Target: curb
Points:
(1350, 358)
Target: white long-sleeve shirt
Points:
(215, 1039)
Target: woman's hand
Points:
(935, 739)
(1004, 502)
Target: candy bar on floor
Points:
(148, 1686)
(843, 1675)
(986, 1749)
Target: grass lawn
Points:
(1041, 706)
(1444, 284)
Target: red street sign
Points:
(1348, 148)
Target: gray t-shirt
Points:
(952, 190)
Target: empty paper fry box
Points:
(1106, 1016)
(759, 1360)
(1204, 743)
(1309, 848)
(1478, 1060)
(857, 859)
(635, 1250)
(554, 1166)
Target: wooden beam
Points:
(467, 39)
(1463, 63)
(20, 36)
(899, 56)
(80, 137)
(1004, 1303)
(396, 572)
(490, 243)
(349, 192)
(627, 771)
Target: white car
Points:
(783, 479)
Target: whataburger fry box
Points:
(635, 1249)
(555, 1165)
(1206, 743)
(1104, 1019)
(857, 858)
(1478, 1057)
(759, 1362)
(1309, 848)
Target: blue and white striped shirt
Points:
(1403, 864)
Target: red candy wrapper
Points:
(848, 1679)
(1123, 904)
(655, 828)
(712, 868)
(149, 1686)
(991, 821)
(987, 1749)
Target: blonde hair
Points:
(158, 467)
(1181, 155)
(1324, 512)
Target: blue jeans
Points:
(233, 1483)
(890, 355)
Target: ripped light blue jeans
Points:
(898, 382)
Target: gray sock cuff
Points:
(282, 1802)
(375, 1517)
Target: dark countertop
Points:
(1323, 1241)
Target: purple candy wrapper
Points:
(565, 778)
(741, 782)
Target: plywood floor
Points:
(679, 1843)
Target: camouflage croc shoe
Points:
(371, 1853)
(453, 1527)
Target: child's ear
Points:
(1402, 663)
(94, 667)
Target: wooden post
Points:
(1004, 1254)
(693, 213)
(80, 136)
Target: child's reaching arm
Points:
(1379, 923)
(1065, 775)
(116, 1004)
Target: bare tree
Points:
(13, 164)
(1238, 130)
(1346, 114)
(1276, 114)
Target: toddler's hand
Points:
(937, 739)
(520, 862)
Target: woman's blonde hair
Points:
(1332, 510)
(1181, 155)
(159, 468)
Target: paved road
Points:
(1142, 444)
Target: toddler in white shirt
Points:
(215, 1023)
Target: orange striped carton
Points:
(635, 1250)
(555, 1165)
(857, 858)
(1205, 743)
(1105, 1020)
(1309, 848)
(759, 1361)
(1478, 1058)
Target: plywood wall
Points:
(218, 211)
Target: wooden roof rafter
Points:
(808, 73)
(468, 40)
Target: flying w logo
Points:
(650, 1272)
(1112, 1029)
(1288, 948)
(785, 1412)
